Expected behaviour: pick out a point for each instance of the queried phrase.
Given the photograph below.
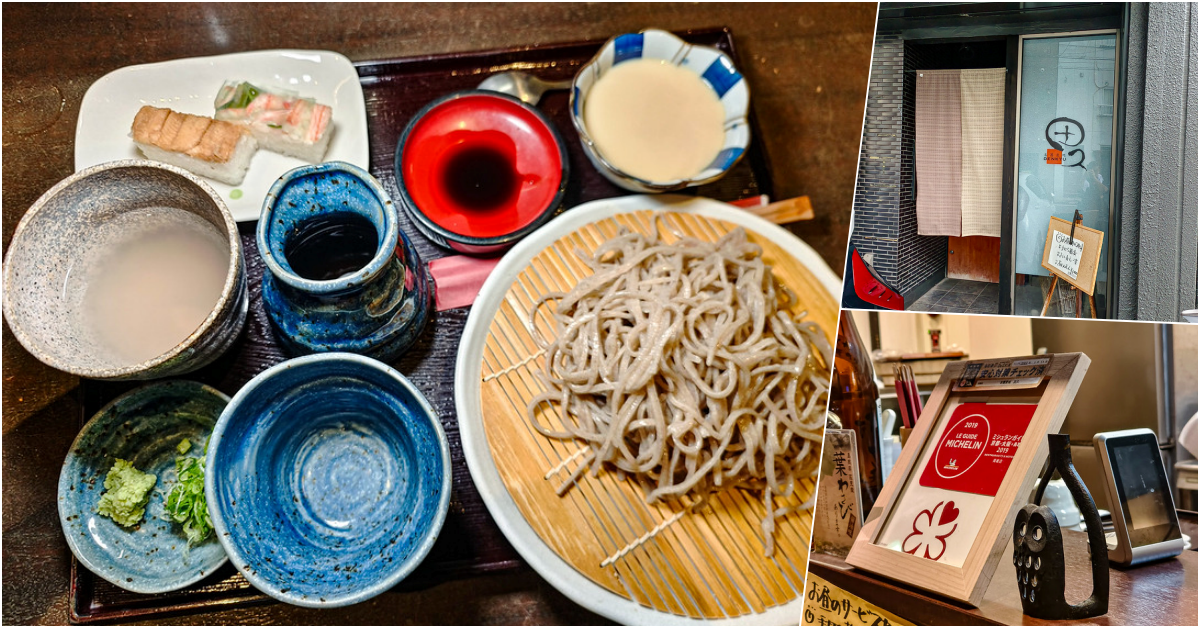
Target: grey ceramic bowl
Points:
(54, 252)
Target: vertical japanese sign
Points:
(838, 515)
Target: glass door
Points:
(1066, 101)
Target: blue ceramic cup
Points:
(377, 310)
(328, 479)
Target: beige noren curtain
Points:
(939, 153)
(982, 94)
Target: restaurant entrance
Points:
(958, 148)
(998, 173)
(1005, 127)
(1035, 110)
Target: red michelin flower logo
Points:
(927, 535)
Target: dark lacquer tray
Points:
(394, 90)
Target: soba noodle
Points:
(681, 365)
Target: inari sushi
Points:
(210, 148)
(280, 120)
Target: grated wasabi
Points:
(126, 493)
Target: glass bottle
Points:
(854, 397)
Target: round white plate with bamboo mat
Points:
(600, 543)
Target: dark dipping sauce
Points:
(480, 178)
(331, 246)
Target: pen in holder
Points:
(1038, 551)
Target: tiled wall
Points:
(877, 190)
(885, 219)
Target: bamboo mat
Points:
(709, 563)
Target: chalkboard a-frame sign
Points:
(945, 514)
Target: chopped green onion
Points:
(186, 503)
(242, 97)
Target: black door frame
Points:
(1008, 203)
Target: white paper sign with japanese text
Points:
(1065, 254)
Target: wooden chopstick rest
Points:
(785, 211)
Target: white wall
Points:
(1000, 337)
(980, 337)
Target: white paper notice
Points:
(1065, 253)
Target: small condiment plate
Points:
(467, 392)
(143, 426)
(190, 85)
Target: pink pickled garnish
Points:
(296, 115)
(320, 120)
(273, 117)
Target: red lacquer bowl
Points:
(479, 170)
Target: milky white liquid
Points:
(654, 120)
(156, 285)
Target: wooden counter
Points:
(1162, 593)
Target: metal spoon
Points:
(526, 87)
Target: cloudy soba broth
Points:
(156, 286)
(654, 120)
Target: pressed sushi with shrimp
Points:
(210, 148)
(280, 120)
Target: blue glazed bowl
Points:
(377, 311)
(143, 426)
(713, 66)
(329, 479)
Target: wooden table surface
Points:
(806, 64)
(1156, 594)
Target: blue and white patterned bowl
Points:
(713, 66)
(328, 479)
(143, 426)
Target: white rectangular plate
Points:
(190, 85)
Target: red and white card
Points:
(977, 447)
(960, 471)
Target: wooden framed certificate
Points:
(945, 514)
